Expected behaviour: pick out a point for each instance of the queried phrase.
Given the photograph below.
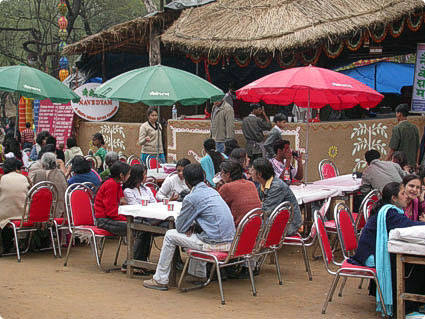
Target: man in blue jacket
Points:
(214, 229)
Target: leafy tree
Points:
(29, 28)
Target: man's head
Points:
(280, 119)
(280, 147)
(256, 108)
(262, 170)
(231, 171)
(401, 112)
(371, 155)
(27, 124)
(193, 174)
(181, 164)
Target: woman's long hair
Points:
(137, 173)
(390, 190)
(217, 158)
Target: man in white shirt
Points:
(174, 184)
(283, 158)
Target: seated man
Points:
(282, 161)
(173, 185)
(273, 191)
(239, 194)
(379, 173)
(214, 228)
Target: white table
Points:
(344, 183)
(160, 175)
(154, 210)
(310, 193)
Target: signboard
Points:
(56, 118)
(418, 94)
(91, 108)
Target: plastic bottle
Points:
(174, 112)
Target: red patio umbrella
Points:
(310, 87)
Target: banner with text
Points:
(418, 94)
(56, 118)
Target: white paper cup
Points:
(289, 118)
(165, 201)
(271, 118)
(295, 119)
(144, 202)
(170, 207)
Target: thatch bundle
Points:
(131, 36)
(271, 26)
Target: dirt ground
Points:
(41, 287)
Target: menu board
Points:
(418, 94)
(56, 118)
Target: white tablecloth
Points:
(154, 210)
(310, 193)
(344, 183)
(158, 175)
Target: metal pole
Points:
(306, 138)
(157, 144)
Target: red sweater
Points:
(108, 199)
(241, 196)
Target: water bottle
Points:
(174, 112)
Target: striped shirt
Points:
(27, 135)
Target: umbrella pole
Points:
(15, 134)
(157, 144)
(306, 139)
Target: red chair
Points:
(133, 160)
(122, 158)
(40, 205)
(346, 270)
(242, 248)
(93, 161)
(153, 187)
(365, 208)
(310, 240)
(152, 162)
(327, 169)
(274, 234)
(79, 210)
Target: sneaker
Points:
(153, 284)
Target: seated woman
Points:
(83, 172)
(134, 191)
(50, 172)
(400, 158)
(229, 145)
(415, 205)
(13, 191)
(40, 141)
(108, 198)
(173, 185)
(211, 161)
(71, 149)
(372, 249)
(239, 194)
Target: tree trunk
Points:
(154, 44)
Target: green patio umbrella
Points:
(36, 84)
(159, 85)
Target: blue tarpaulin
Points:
(384, 77)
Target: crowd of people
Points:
(228, 182)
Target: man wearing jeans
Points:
(205, 223)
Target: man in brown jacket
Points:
(222, 124)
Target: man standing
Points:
(379, 173)
(405, 137)
(27, 136)
(222, 123)
(253, 127)
(275, 134)
(281, 162)
(205, 223)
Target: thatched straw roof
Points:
(131, 36)
(269, 26)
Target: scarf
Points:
(382, 260)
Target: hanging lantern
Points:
(63, 63)
(62, 45)
(63, 23)
(63, 9)
(63, 34)
(63, 74)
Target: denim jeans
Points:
(171, 240)
(142, 241)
